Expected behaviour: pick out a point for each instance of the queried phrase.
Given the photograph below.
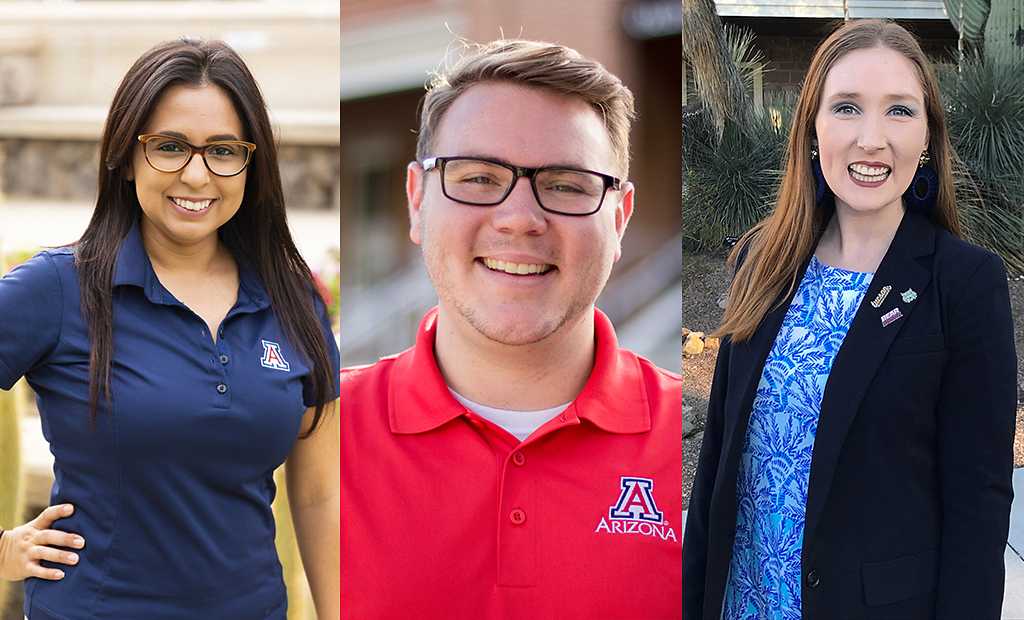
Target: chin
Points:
(516, 326)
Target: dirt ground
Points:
(705, 279)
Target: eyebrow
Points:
(214, 138)
(575, 165)
(889, 97)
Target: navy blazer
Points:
(909, 495)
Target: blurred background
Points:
(390, 47)
(60, 63)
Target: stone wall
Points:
(67, 169)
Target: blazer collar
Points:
(614, 397)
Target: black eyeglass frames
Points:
(484, 183)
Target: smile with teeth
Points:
(869, 174)
(189, 205)
(518, 269)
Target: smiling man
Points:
(515, 453)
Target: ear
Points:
(414, 178)
(623, 211)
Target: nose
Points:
(871, 136)
(520, 213)
(195, 174)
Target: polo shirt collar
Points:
(614, 397)
(133, 268)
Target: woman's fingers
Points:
(24, 548)
(53, 555)
(57, 538)
(51, 514)
(33, 569)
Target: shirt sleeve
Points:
(31, 302)
(333, 356)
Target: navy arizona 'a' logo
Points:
(635, 512)
(272, 357)
(636, 501)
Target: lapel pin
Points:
(908, 295)
(882, 294)
(891, 317)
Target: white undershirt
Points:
(518, 423)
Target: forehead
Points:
(195, 111)
(874, 72)
(525, 126)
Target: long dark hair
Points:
(257, 235)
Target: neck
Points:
(529, 377)
(857, 240)
(166, 256)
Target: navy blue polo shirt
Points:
(173, 485)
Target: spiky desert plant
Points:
(299, 601)
(985, 110)
(718, 79)
(730, 183)
(731, 172)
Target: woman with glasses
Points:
(858, 449)
(180, 354)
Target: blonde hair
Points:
(777, 247)
(546, 66)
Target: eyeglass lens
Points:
(170, 155)
(486, 183)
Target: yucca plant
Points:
(985, 109)
(729, 183)
(731, 170)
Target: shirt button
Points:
(517, 516)
(221, 388)
(224, 359)
(518, 458)
(812, 579)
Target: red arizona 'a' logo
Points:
(272, 357)
(636, 501)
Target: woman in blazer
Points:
(180, 354)
(857, 455)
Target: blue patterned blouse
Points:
(771, 485)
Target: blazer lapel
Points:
(862, 352)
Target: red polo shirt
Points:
(446, 515)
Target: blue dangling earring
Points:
(821, 189)
(924, 188)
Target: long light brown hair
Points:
(776, 248)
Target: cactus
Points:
(1004, 33)
(996, 28)
(974, 15)
(11, 480)
(299, 600)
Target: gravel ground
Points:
(706, 278)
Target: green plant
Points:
(985, 110)
(731, 152)
(729, 184)
(11, 481)
(992, 28)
